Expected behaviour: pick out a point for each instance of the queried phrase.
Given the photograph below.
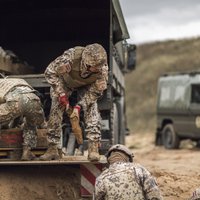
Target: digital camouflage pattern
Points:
(22, 102)
(196, 195)
(67, 73)
(8, 84)
(126, 181)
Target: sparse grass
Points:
(153, 60)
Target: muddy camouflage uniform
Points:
(196, 195)
(66, 74)
(17, 99)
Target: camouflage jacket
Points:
(58, 74)
(126, 181)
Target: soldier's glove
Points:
(63, 100)
(76, 112)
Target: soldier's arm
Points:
(57, 68)
(96, 89)
(99, 189)
(149, 184)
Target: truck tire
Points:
(117, 124)
(121, 123)
(170, 138)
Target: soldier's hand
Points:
(63, 100)
(76, 112)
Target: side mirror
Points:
(126, 54)
(131, 57)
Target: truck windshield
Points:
(195, 95)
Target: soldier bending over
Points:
(82, 69)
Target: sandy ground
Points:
(39, 183)
(177, 171)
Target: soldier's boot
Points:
(27, 154)
(93, 150)
(51, 153)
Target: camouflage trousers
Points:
(92, 121)
(27, 106)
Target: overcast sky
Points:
(155, 20)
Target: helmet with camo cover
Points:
(94, 55)
(121, 148)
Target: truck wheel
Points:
(121, 124)
(170, 138)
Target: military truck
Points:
(178, 109)
(39, 31)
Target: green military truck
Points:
(39, 31)
(178, 109)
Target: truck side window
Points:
(195, 98)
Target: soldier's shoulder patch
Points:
(65, 68)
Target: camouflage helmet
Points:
(122, 148)
(94, 55)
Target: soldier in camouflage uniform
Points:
(17, 99)
(124, 179)
(85, 70)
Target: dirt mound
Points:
(39, 183)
